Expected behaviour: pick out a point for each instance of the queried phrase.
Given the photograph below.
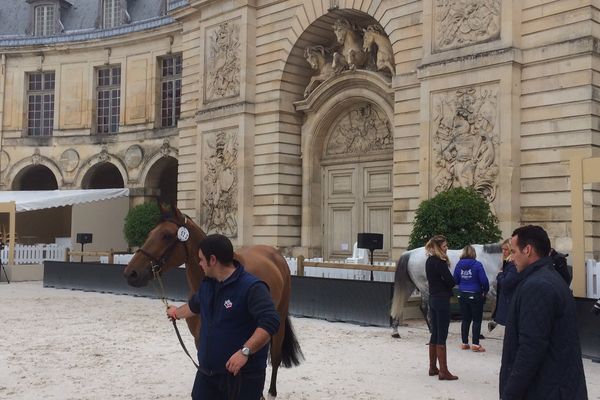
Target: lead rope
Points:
(162, 296)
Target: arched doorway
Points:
(103, 176)
(162, 180)
(35, 177)
(356, 166)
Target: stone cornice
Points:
(469, 62)
(224, 111)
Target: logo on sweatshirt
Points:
(228, 304)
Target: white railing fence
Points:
(593, 278)
(340, 273)
(35, 254)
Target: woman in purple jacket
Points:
(473, 285)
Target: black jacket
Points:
(439, 278)
(541, 356)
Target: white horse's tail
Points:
(403, 288)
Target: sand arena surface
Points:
(73, 345)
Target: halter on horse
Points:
(174, 241)
(410, 275)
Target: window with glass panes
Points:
(108, 104)
(110, 12)
(40, 103)
(170, 105)
(44, 20)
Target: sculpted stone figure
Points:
(352, 56)
(374, 35)
(321, 62)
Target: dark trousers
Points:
(439, 308)
(244, 386)
(471, 308)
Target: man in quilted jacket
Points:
(541, 355)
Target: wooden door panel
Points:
(340, 228)
(378, 219)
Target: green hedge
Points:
(460, 214)
(140, 220)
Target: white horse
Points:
(410, 274)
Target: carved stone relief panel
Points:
(460, 23)
(223, 65)
(465, 138)
(69, 160)
(362, 129)
(220, 182)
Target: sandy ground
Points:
(64, 344)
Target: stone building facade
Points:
(302, 123)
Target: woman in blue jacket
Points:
(473, 285)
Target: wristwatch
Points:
(246, 351)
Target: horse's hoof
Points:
(396, 335)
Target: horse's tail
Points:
(291, 354)
(403, 287)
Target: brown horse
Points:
(163, 250)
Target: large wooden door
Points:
(357, 198)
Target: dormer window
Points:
(114, 13)
(46, 15)
(110, 13)
(44, 20)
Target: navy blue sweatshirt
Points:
(470, 276)
(230, 311)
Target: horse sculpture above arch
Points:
(163, 251)
(410, 275)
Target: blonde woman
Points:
(441, 282)
(473, 285)
(506, 282)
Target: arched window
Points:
(44, 20)
(110, 13)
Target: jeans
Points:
(439, 307)
(247, 385)
(471, 308)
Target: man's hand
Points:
(172, 313)
(236, 362)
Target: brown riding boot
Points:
(444, 374)
(433, 370)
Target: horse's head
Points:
(315, 56)
(341, 27)
(369, 36)
(171, 243)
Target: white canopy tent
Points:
(12, 202)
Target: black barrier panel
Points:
(361, 302)
(108, 278)
(588, 326)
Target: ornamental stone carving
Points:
(103, 156)
(36, 158)
(222, 73)
(69, 160)
(460, 23)
(220, 183)
(465, 138)
(4, 160)
(165, 148)
(357, 47)
(363, 129)
(134, 156)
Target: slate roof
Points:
(79, 21)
